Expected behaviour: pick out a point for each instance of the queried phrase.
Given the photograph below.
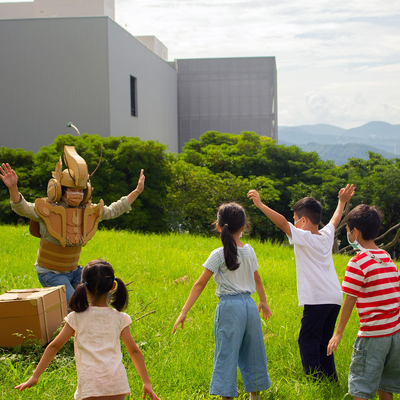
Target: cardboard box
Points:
(29, 312)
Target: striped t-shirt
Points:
(374, 279)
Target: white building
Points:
(68, 60)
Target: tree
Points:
(121, 161)
(195, 195)
(22, 162)
(250, 155)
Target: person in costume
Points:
(66, 220)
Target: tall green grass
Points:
(179, 365)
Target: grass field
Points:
(179, 365)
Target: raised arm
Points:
(138, 362)
(132, 196)
(347, 309)
(196, 291)
(10, 179)
(262, 305)
(345, 194)
(278, 219)
(48, 355)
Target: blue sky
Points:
(338, 61)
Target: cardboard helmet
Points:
(74, 176)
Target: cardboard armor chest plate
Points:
(31, 314)
(70, 226)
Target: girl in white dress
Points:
(98, 329)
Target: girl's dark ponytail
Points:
(98, 278)
(230, 249)
(231, 218)
(78, 301)
(119, 298)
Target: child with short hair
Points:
(98, 329)
(318, 286)
(239, 340)
(372, 284)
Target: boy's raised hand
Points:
(255, 196)
(346, 193)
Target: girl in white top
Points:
(238, 334)
(98, 329)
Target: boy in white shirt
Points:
(318, 287)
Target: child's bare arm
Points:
(48, 355)
(347, 309)
(278, 219)
(262, 305)
(196, 291)
(138, 362)
(345, 194)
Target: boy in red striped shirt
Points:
(372, 284)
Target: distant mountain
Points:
(369, 129)
(340, 153)
(338, 144)
(297, 135)
(322, 129)
(376, 129)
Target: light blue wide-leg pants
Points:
(238, 342)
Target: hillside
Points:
(162, 270)
(338, 144)
(340, 153)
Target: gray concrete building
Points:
(227, 95)
(87, 70)
(68, 60)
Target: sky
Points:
(338, 62)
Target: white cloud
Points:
(338, 62)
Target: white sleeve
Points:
(214, 261)
(255, 260)
(299, 237)
(25, 209)
(70, 320)
(329, 231)
(126, 320)
(116, 209)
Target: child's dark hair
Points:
(310, 208)
(231, 218)
(98, 278)
(367, 219)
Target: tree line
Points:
(183, 191)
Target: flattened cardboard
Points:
(40, 311)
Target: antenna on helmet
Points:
(71, 125)
(101, 155)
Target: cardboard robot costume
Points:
(72, 226)
(66, 220)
